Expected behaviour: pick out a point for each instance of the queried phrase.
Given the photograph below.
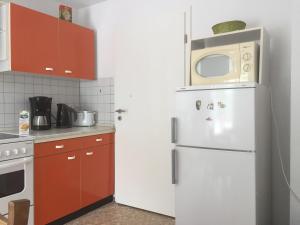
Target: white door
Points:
(221, 118)
(215, 187)
(149, 62)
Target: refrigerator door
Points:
(215, 187)
(222, 119)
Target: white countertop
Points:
(56, 134)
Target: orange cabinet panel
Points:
(76, 51)
(97, 174)
(98, 140)
(87, 56)
(56, 147)
(34, 41)
(57, 186)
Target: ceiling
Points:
(79, 3)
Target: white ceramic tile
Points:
(9, 108)
(9, 78)
(19, 88)
(9, 97)
(1, 107)
(19, 78)
(28, 79)
(9, 87)
(19, 98)
(19, 108)
(9, 119)
(29, 88)
(37, 80)
(1, 119)
(38, 89)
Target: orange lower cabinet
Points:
(57, 186)
(97, 174)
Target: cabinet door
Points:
(34, 41)
(57, 186)
(87, 56)
(97, 174)
(76, 51)
(69, 51)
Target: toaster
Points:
(85, 119)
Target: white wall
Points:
(295, 112)
(273, 15)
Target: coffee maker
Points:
(40, 108)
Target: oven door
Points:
(16, 181)
(216, 65)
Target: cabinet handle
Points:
(89, 153)
(71, 157)
(68, 71)
(59, 146)
(99, 139)
(49, 69)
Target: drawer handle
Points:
(68, 71)
(59, 146)
(89, 153)
(99, 139)
(49, 69)
(71, 157)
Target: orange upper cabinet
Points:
(37, 43)
(33, 41)
(76, 51)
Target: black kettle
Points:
(65, 116)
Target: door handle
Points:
(99, 139)
(120, 111)
(173, 130)
(174, 169)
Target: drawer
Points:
(97, 140)
(55, 147)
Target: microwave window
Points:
(12, 183)
(214, 65)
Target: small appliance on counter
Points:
(65, 116)
(85, 118)
(40, 108)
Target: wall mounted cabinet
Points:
(37, 43)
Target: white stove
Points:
(16, 171)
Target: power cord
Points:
(279, 149)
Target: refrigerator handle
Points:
(174, 169)
(174, 129)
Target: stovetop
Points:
(13, 146)
(4, 136)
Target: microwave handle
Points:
(16, 162)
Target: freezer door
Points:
(215, 187)
(222, 119)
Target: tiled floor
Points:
(114, 214)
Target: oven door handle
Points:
(16, 162)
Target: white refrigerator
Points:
(221, 160)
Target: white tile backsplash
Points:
(15, 90)
(98, 96)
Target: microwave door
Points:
(222, 119)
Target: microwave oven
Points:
(225, 64)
